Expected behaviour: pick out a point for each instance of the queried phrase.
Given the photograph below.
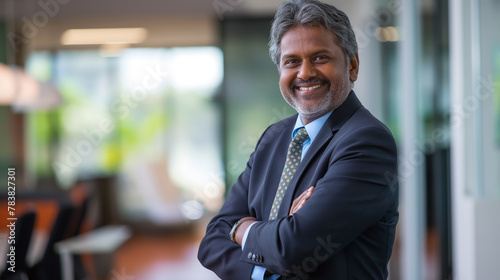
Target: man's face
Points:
(314, 75)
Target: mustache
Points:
(300, 82)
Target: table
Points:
(103, 240)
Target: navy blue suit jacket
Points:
(344, 231)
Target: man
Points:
(319, 203)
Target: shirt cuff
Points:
(244, 240)
(258, 273)
(273, 277)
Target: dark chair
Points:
(49, 267)
(80, 213)
(23, 231)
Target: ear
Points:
(354, 68)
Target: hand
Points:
(240, 230)
(301, 200)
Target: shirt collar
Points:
(313, 127)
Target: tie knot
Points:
(301, 136)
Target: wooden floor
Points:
(173, 257)
(161, 257)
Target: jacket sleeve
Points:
(355, 193)
(217, 252)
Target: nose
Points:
(307, 71)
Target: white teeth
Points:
(309, 88)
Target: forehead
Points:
(302, 38)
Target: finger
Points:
(310, 192)
(296, 202)
(299, 202)
(306, 195)
(296, 205)
(298, 199)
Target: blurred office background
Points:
(146, 112)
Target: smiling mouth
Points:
(310, 88)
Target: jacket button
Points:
(250, 255)
(254, 257)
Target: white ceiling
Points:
(110, 8)
(169, 22)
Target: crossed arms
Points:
(354, 190)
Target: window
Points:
(147, 116)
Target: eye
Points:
(291, 62)
(321, 58)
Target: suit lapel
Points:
(336, 120)
(283, 138)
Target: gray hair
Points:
(311, 13)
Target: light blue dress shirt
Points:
(312, 129)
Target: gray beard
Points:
(329, 102)
(334, 97)
(316, 111)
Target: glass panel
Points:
(489, 95)
(147, 115)
(496, 70)
(252, 98)
(3, 41)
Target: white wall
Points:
(474, 42)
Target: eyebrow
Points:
(313, 54)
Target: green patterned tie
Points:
(291, 165)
